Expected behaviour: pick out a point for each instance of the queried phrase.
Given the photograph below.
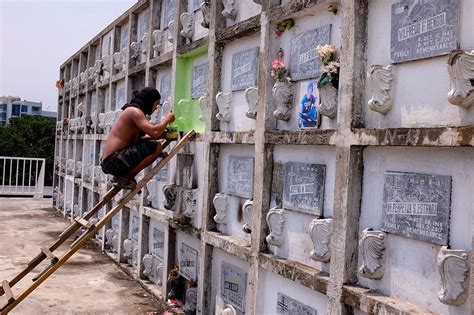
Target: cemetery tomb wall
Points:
(238, 104)
(411, 263)
(419, 88)
(270, 285)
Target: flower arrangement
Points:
(279, 70)
(332, 8)
(284, 25)
(60, 84)
(329, 65)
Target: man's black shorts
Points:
(122, 162)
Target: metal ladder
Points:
(90, 231)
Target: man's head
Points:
(147, 100)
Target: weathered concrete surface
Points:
(88, 283)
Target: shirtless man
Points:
(126, 152)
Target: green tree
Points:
(30, 136)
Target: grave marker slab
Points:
(422, 29)
(162, 175)
(417, 206)
(158, 242)
(135, 227)
(169, 12)
(143, 19)
(303, 188)
(123, 36)
(240, 176)
(244, 69)
(287, 306)
(188, 264)
(233, 285)
(199, 79)
(165, 86)
(277, 184)
(184, 177)
(304, 61)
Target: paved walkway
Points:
(89, 283)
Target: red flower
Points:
(278, 64)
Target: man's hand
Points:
(170, 118)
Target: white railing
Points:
(22, 176)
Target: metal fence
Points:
(22, 176)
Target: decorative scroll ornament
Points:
(106, 64)
(68, 208)
(220, 202)
(247, 212)
(191, 300)
(171, 30)
(203, 106)
(102, 117)
(111, 240)
(461, 75)
(206, 13)
(135, 48)
(166, 108)
(130, 251)
(159, 274)
(251, 95)
(223, 103)
(229, 10)
(371, 246)
(99, 176)
(124, 58)
(152, 192)
(83, 79)
(148, 264)
(97, 70)
(118, 61)
(276, 223)
(170, 191)
(283, 95)
(185, 106)
(380, 80)
(187, 21)
(70, 166)
(453, 268)
(90, 73)
(76, 210)
(158, 40)
(78, 170)
(189, 202)
(228, 310)
(328, 100)
(144, 43)
(75, 84)
(320, 233)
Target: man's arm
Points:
(153, 130)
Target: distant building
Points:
(11, 106)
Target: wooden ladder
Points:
(90, 231)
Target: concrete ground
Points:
(89, 282)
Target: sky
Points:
(37, 36)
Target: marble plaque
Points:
(162, 175)
(169, 12)
(158, 243)
(244, 69)
(417, 206)
(422, 29)
(289, 306)
(143, 19)
(184, 177)
(135, 228)
(165, 86)
(277, 184)
(233, 285)
(199, 78)
(304, 61)
(123, 36)
(240, 176)
(188, 264)
(120, 95)
(303, 187)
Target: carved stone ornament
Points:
(371, 247)
(83, 79)
(276, 223)
(153, 269)
(206, 13)
(158, 40)
(106, 63)
(130, 251)
(185, 106)
(76, 210)
(187, 22)
(148, 264)
(124, 58)
(118, 61)
(68, 208)
(75, 84)
(166, 108)
(78, 170)
(70, 166)
(111, 240)
(247, 214)
(153, 193)
(99, 176)
(320, 233)
(144, 43)
(228, 310)
(229, 10)
(461, 76)
(251, 95)
(135, 50)
(171, 26)
(220, 202)
(223, 103)
(453, 268)
(380, 80)
(189, 202)
(102, 120)
(97, 71)
(283, 96)
(171, 193)
(203, 106)
(191, 301)
(328, 100)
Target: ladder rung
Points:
(8, 291)
(84, 223)
(50, 255)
